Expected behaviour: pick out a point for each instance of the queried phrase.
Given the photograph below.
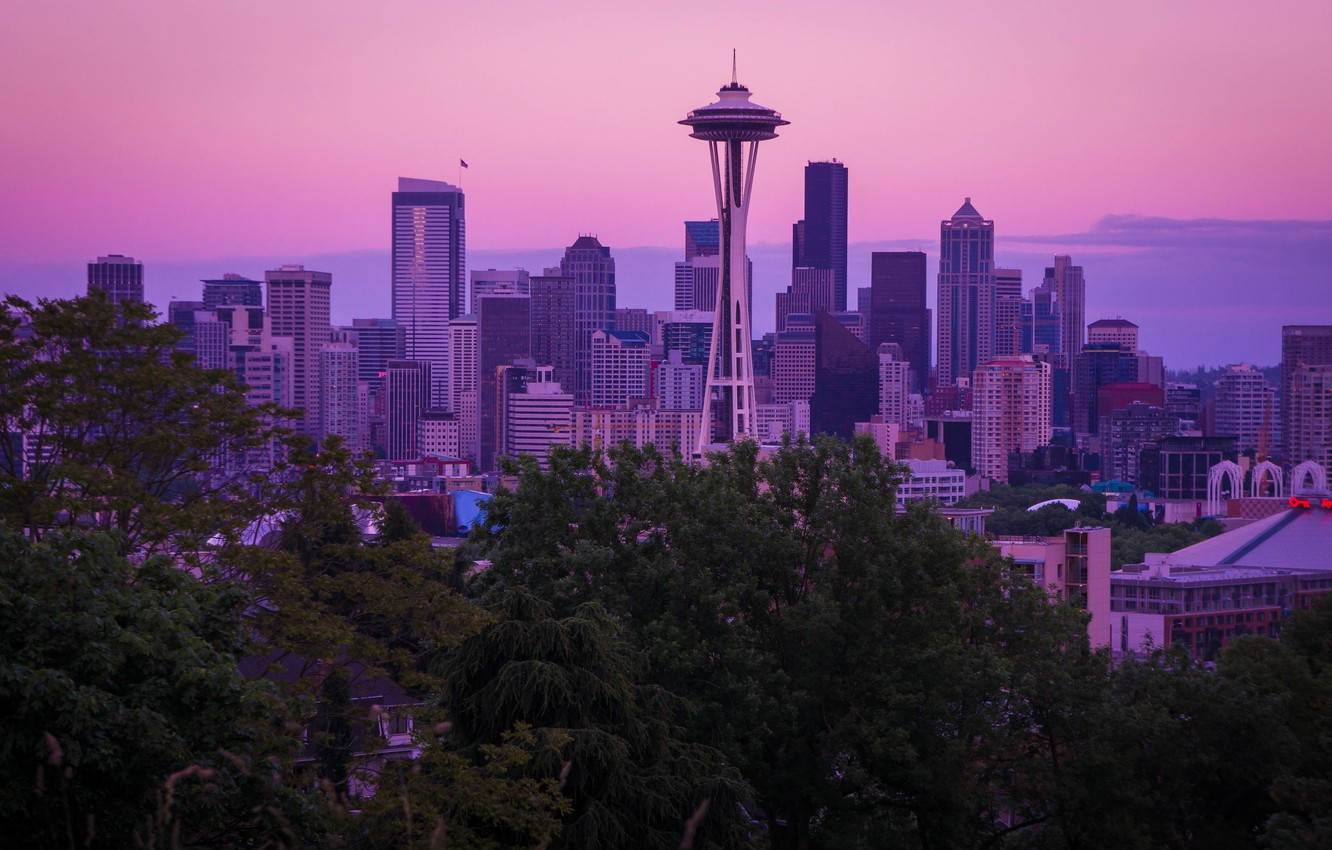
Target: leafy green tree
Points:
(121, 428)
(125, 717)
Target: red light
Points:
(1326, 504)
(1297, 502)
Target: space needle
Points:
(727, 125)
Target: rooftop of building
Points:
(967, 211)
(628, 337)
(1112, 323)
(415, 184)
(1298, 538)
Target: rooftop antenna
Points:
(734, 81)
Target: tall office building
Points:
(1010, 412)
(463, 373)
(298, 308)
(181, 316)
(503, 335)
(1119, 332)
(793, 365)
(119, 277)
(1301, 345)
(339, 414)
(428, 259)
(498, 282)
(811, 291)
(553, 312)
(1310, 415)
(1039, 320)
(1065, 280)
(1095, 368)
(409, 385)
(727, 125)
(377, 342)
(536, 414)
(212, 340)
(232, 290)
(966, 293)
(688, 332)
(1245, 407)
(620, 362)
(637, 319)
(702, 239)
(1007, 312)
(1126, 432)
(821, 235)
(846, 379)
(897, 311)
(592, 268)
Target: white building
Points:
(338, 394)
(538, 417)
(932, 479)
(499, 282)
(462, 383)
(679, 384)
(437, 434)
(780, 418)
(894, 384)
(1245, 406)
(620, 361)
(298, 308)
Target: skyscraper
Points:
(1245, 407)
(377, 342)
(119, 277)
(727, 125)
(966, 293)
(536, 413)
(463, 373)
(1301, 345)
(812, 290)
(497, 282)
(822, 233)
(409, 385)
(619, 367)
(503, 335)
(1065, 280)
(897, 311)
(894, 384)
(428, 258)
(338, 398)
(232, 290)
(1010, 412)
(298, 307)
(592, 268)
(1007, 311)
(1311, 415)
(553, 310)
(846, 379)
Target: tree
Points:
(108, 426)
(125, 715)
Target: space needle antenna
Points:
(734, 80)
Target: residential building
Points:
(619, 367)
(1069, 286)
(1301, 345)
(673, 432)
(1073, 566)
(680, 384)
(894, 384)
(1245, 407)
(537, 413)
(1007, 312)
(937, 480)
(464, 370)
(1310, 415)
(688, 332)
(779, 419)
(1093, 368)
(438, 435)
(1010, 412)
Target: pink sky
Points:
(180, 129)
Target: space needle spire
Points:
(732, 126)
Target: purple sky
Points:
(180, 132)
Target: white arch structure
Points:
(1315, 474)
(1273, 473)
(1216, 476)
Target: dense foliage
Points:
(633, 651)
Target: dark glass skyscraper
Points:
(846, 379)
(592, 268)
(503, 335)
(232, 290)
(819, 240)
(553, 325)
(966, 293)
(897, 311)
(119, 277)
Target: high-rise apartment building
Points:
(821, 235)
(619, 367)
(298, 307)
(1245, 407)
(503, 335)
(232, 290)
(499, 282)
(1119, 332)
(212, 340)
(553, 326)
(1126, 432)
(1301, 345)
(1010, 412)
(409, 385)
(793, 365)
(1310, 415)
(118, 277)
(897, 311)
(846, 379)
(438, 435)
(894, 384)
(966, 293)
(428, 259)
(679, 384)
(592, 268)
(339, 414)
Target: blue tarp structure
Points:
(469, 507)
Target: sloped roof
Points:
(967, 211)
